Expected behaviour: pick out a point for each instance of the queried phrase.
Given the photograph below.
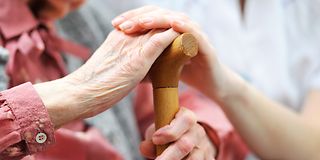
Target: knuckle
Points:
(155, 42)
(170, 135)
(185, 146)
(189, 121)
(189, 118)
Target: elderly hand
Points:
(208, 75)
(188, 138)
(115, 68)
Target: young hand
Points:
(189, 139)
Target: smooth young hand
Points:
(189, 139)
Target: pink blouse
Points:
(34, 55)
(25, 124)
(35, 50)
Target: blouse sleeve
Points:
(25, 126)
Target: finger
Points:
(178, 21)
(148, 149)
(180, 148)
(184, 121)
(147, 21)
(184, 26)
(129, 14)
(193, 28)
(197, 154)
(149, 132)
(160, 19)
(208, 148)
(157, 44)
(152, 20)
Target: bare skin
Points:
(286, 134)
(114, 69)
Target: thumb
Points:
(158, 43)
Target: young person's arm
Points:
(270, 129)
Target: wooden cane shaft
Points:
(165, 74)
(166, 100)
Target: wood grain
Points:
(165, 75)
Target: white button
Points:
(41, 138)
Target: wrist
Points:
(61, 100)
(228, 87)
(93, 93)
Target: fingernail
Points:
(145, 20)
(117, 20)
(126, 25)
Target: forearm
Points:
(59, 100)
(74, 97)
(68, 99)
(271, 130)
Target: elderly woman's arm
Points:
(270, 129)
(29, 114)
(115, 68)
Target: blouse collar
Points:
(15, 18)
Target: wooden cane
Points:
(165, 74)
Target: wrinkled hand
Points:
(117, 66)
(205, 70)
(114, 69)
(188, 138)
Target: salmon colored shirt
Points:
(25, 126)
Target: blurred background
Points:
(273, 44)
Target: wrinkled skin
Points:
(119, 65)
(114, 69)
